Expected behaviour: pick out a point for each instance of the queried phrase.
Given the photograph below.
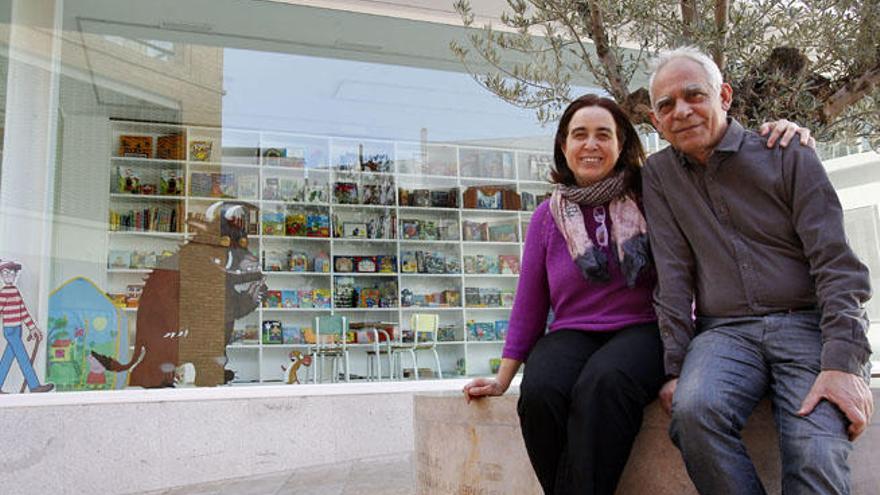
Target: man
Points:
(14, 315)
(752, 239)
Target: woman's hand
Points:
(666, 394)
(481, 387)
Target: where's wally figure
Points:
(15, 315)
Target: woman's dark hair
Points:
(632, 155)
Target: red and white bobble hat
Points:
(9, 265)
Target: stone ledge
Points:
(477, 449)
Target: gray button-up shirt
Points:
(755, 231)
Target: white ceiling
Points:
(357, 30)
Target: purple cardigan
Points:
(549, 279)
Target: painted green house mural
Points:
(83, 319)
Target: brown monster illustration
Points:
(191, 300)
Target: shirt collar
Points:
(730, 143)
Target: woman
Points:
(586, 257)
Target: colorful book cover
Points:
(408, 262)
(272, 332)
(273, 223)
(306, 299)
(508, 264)
(170, 182)
(322, 298)
(502, 232)
(291, 334)
(273, 299)
(289, 298)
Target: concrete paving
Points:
(386, 475)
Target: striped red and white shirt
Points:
(12, 308)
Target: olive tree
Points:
(813, 61)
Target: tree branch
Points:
(605, 53)
(720, 44)
(688, 19)
(850, 93)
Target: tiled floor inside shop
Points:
(390, 475)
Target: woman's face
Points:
(591, 146)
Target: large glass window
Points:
(291, 198)
(202, 193)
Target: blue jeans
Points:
(730, 366)
(15, 349)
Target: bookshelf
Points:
(374, 230)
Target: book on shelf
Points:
(171, 182)
(508, 264)
(221, 185)
(118, 258)
(246, 186)
(290, 189)
(502, 232)
(200, 184)
(149, 219)
(271, 189)
(273, 222)
(272, 332)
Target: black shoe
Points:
(46, 387)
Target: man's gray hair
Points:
(713, 73)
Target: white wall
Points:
(138, 440)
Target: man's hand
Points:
(35, 333)
(786, 130)
(666, 394)
(481, 387)
(848, 392)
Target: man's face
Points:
(8, 276)
(686, 111)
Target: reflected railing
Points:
(826, 151)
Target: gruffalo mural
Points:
(191, 300)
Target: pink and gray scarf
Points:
(628, 228)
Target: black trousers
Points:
(581, 401)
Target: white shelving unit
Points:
(321, 162)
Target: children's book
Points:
(299, 262)
(118, 258)
(291, 334)
(306, 299)
(275, 261)
(289, 298)
(273, 223)
(408, 263)
(502, 232)
(508, 264)
(246, 187)
(272, 332)
(200, 184)
(322, 263)
(272, 299)
(170, 182)
(321, 298)
(271, 189)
